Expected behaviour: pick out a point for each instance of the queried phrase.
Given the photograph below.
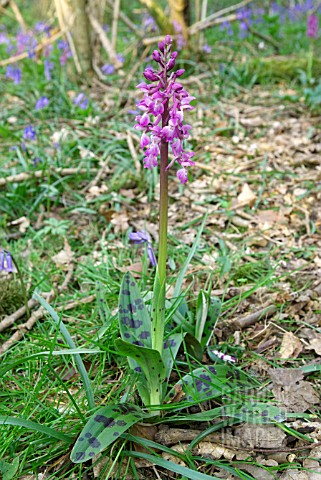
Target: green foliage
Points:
(150, 363)
(8, 470)
(209, 382)
(313, 97)
(53, 227)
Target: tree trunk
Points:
(163, 22)
(73, 19)
(179, 15)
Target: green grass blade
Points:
(180, 278)
(30, 425)
(80, 365)
(173, 467)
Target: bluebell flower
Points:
(207, 48)
(120, 57)
(227, 27)
(4, 38)
(81, 101)
(29, 133)
(108, 69)
(42, 102)
(6, 263)
(48, 66)
(14, 73)
(140, 238)
(36, 160)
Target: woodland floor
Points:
(258, 178)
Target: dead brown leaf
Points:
(261, 436)
(65, 257)
(291, 346)
(23, 223)
(246, 197)
(289, 388)
(315, 344)
(120, 221)
(294, 474)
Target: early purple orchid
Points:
(312, 26)
(164, 104)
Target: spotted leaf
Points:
(210, 382)
(149, 361)
(193, 347)
(134, 320)
(103, 428)
(244, 412)
(170, 349)
(258, 412)
(135, 327)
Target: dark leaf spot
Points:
(144, 335)
(94, 442)
(107, 421)
(121, 423)
(80, 455)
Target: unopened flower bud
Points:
(179, 72)
(157, 56)
(149, 74)
(161, 46)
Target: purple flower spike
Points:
(42, 103)
(29, 133)
(164, 104)
(312, 26)
(6, 263)
(142, 237)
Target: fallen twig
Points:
(37, 49)
(21, 177)
(126, 20)
(249, 320)
(217, 17)
(115, 24)
(37, 315)
(105, 41)
(18, 15)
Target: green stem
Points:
(158, 325)
(163, 213)
(23, 287)
(310, 62)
